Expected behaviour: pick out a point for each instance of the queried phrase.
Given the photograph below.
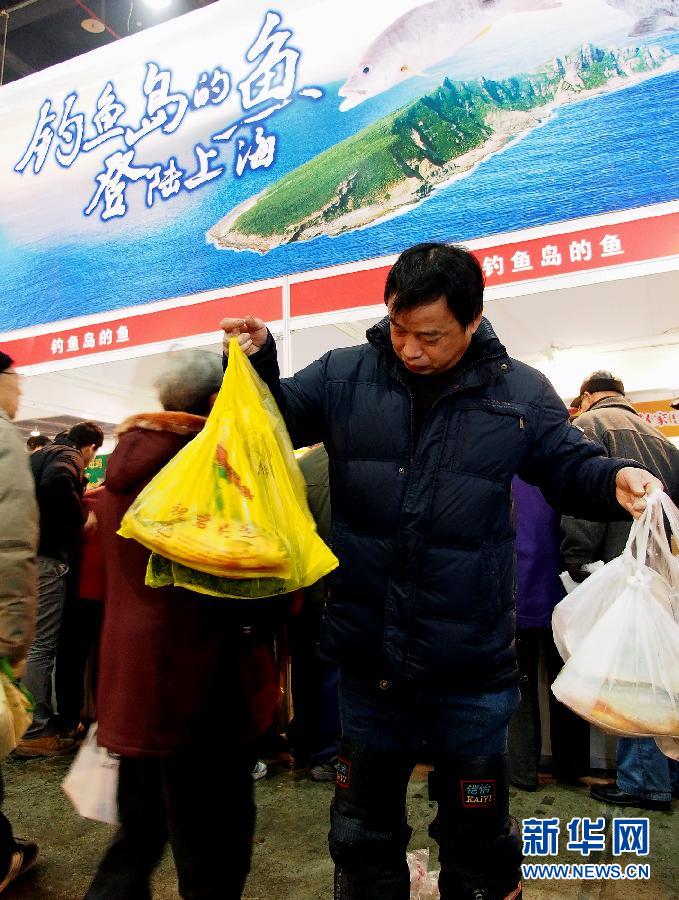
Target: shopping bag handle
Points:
(652, 521)
(8, 671)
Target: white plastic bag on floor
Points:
(623, 673)
(91, 783)
(424, 885)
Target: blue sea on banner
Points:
(610, 152)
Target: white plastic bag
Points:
(575, 616)
(424, 885)
(91, 783)
(622, 673)
(16, 709)
(567, 581)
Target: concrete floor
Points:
(290, 857)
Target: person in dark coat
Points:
(58, 473)
(184, 681)
(425, 427)
(538, 590)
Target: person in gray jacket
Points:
(645, 777)
(18, 585)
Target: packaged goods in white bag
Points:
(91, 783)
(620, 634)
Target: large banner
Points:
(242, 143)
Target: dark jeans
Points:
(203, 804)
(52, 583)
(569, 733)
(645, 771)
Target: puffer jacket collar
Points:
(613, 403)
(172, 422)
(487, 358)
(147, 441)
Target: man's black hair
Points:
(425, 272)
(35, 441)
(85, 433)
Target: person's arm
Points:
(18, 545)
(574, 474)
(300, 399)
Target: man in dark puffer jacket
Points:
(425, 427)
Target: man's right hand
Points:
(250, 331)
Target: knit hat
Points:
(601, 381)
(5, 361)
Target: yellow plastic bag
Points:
(228, 515)
(16, 709)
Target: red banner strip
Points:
(138, 328)
(560, 254)
(520, 261)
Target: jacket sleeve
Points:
(18, 546)
(582, 541)
(301, 399)
(573, 473)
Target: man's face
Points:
(429, 339)
(10, 391)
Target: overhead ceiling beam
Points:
(17, 64)
(27, 13)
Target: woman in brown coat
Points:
(185, 682)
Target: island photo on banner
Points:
(246, 142)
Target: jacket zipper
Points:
(448, 392)
(412, 416)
